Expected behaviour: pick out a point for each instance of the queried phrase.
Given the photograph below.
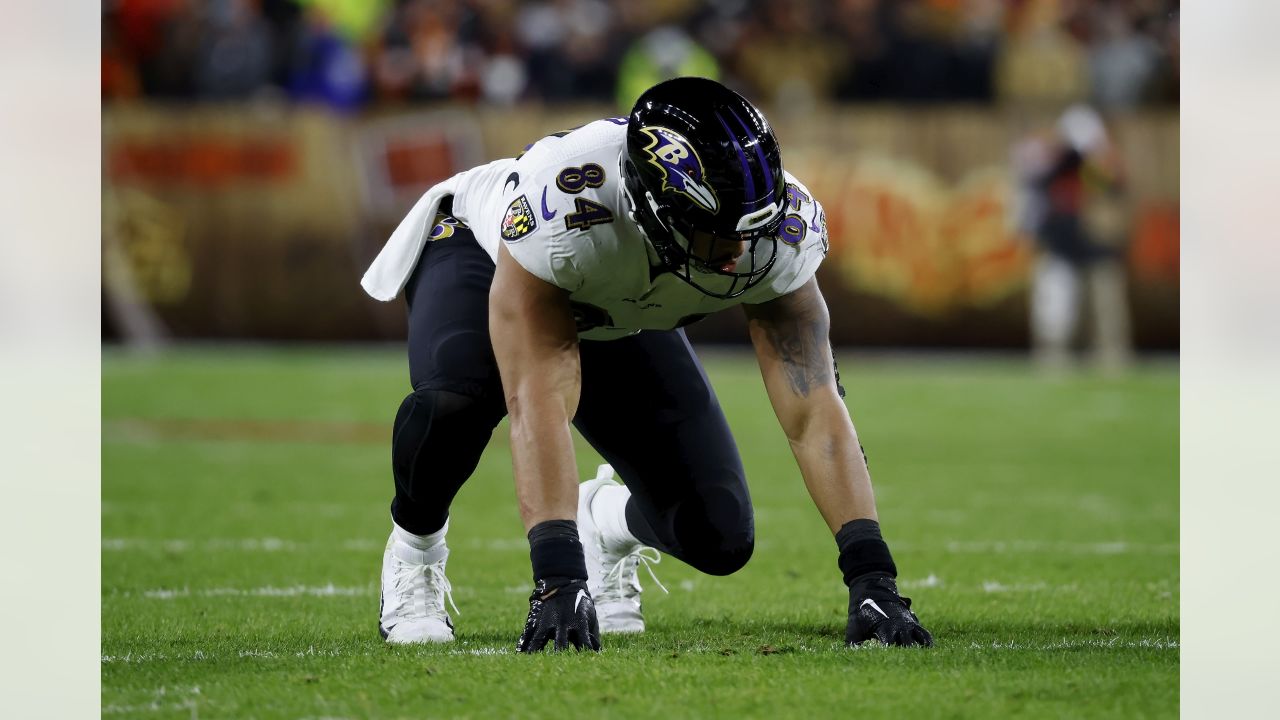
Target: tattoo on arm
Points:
(804, 352)
(798, 332)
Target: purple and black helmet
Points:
(700, 157)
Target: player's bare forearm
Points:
(790, 336)
(536, 345)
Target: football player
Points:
(552, 287)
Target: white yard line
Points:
(999, 547)
(1146, 643)
(187, 694)
(931, 581)
(151, 707)
(173, 545)
(200, 655)
(1068, 644)
(1163, 588)
(329, 590)
(994, 586)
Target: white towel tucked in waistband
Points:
(389, 272)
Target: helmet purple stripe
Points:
(742, 158)
(764, 163)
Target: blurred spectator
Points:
(153, 46)
(352, 19)
(572, 54)
(1042, 61)
(789, 53)
(977, 45)
(917, 50)
(236, 50)
(1164, 86)
(1070, 201)
(325, 67)
(1122, 60)
(424, 52)
(785, 57)
(119, 70)
(665, 52)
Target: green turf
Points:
(1035, 522)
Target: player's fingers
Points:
(588, 640)
(896, 636)
(562, 638)
(583, 639)
(577, 637)
(922, 636)
(536, 642)
(853, 634)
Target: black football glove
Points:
(560, 610)
(876, 610)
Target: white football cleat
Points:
(414, 591)
(613, 575)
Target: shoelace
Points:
(432, 575)
(646, 556)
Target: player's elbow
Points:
(817, 424)
(541, 399)
(527, 404)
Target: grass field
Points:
(244, 510)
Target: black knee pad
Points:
(716, 531)
(728, 560)
(414, 421)
(436, 442)
(425, 414)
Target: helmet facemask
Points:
(677, 243)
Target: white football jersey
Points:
(561, 211)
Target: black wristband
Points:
(862, 550)
(554, 551)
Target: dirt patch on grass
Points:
(147, 430)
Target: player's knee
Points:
(432, 423)
(728, 559)
(412, 425)
(718, 533)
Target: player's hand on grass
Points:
(877, 611)
(562, 613)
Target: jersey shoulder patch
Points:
(559, 206)
(518, 220)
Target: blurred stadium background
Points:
(256, 153)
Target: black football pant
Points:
(646, 406)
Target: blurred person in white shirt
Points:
(1069, 199)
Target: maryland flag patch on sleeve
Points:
(518, 221)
